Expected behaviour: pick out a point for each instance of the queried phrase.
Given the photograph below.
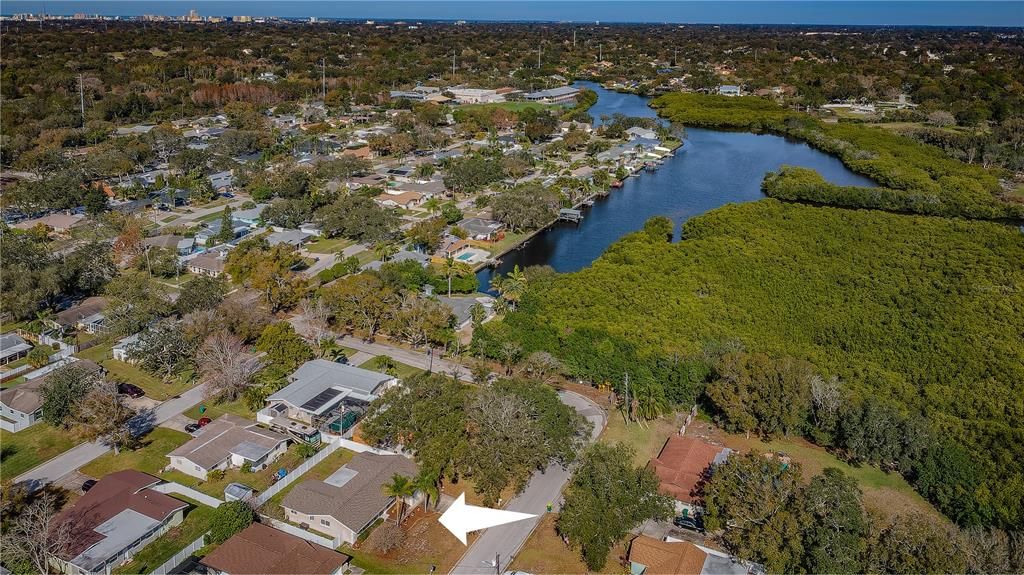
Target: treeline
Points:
(792, 183)
(933, 182)
(764, 511)
(918, 313)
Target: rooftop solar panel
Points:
(321, 399)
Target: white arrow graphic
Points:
(460, 518)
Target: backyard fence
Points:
(299, 532)
(296, 473)
(180, 556)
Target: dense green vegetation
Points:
(921, 315)
(917, 177)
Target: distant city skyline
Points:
(827, 12)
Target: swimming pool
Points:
(466, 256)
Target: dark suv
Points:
(131, 390)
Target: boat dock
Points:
(570, 215)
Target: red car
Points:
(203, 421)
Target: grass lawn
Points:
(215, 410)
(197, 522)
(504, 244)
(155, 387)
(150, 457)
(259, 480)
(646, 439)
(365, 257)
(544, 552)
(22, 451)
(328, 246)
(320, 471)
(402, 370)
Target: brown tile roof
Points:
(663, 558)
(220, 438)
(88, 307)
(27, 396)
(111, 495)
(358, 501)
(682, 464)
(263, 550)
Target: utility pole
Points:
(573, 39)
(453, 64)
(81, 97)
(323, 79)
(600, 52)
(675, 51)
(538, 56)
(627, 397)
(497, 564)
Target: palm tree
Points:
(511, 286)
(328, 348)
(384, 250)
(427, 483)
(399, 488)
(432, 205)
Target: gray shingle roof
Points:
(360, 499)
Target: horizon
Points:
(903, 13)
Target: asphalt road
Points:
(505, 541)
(71, 460)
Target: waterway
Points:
(713, 168)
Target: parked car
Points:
(192, 427)
(131, 390)
(204, 421)
(689, 523)
(88, 485)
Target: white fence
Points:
(361, 448)
(172, 487)
(296, 473)
(180, 556)
(299, 532)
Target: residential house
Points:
(13, 348)
(210, 234)
(406, 200)
(682, 467)
(294, 238)
(208, 264)
(120, 515)
(229, 441)
(57, 224)
(729, 90)
(222, 181)
(122, 350)
(251, 216)
(137, 130)
(427, 188)
(561, 95)
(638, 132)
(454, 247)
(481, 229)
(180, 244)
(401, 256)
(87, 316)
(21, 405)
(262, 550)
(649, 556)
(323, 396)
(351, 499)
(363, 152)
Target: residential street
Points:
(544, 488)
(76, 457)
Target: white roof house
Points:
(319, 388)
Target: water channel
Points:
(712, 168)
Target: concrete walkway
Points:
(71, 460)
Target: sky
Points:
(832, 12)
